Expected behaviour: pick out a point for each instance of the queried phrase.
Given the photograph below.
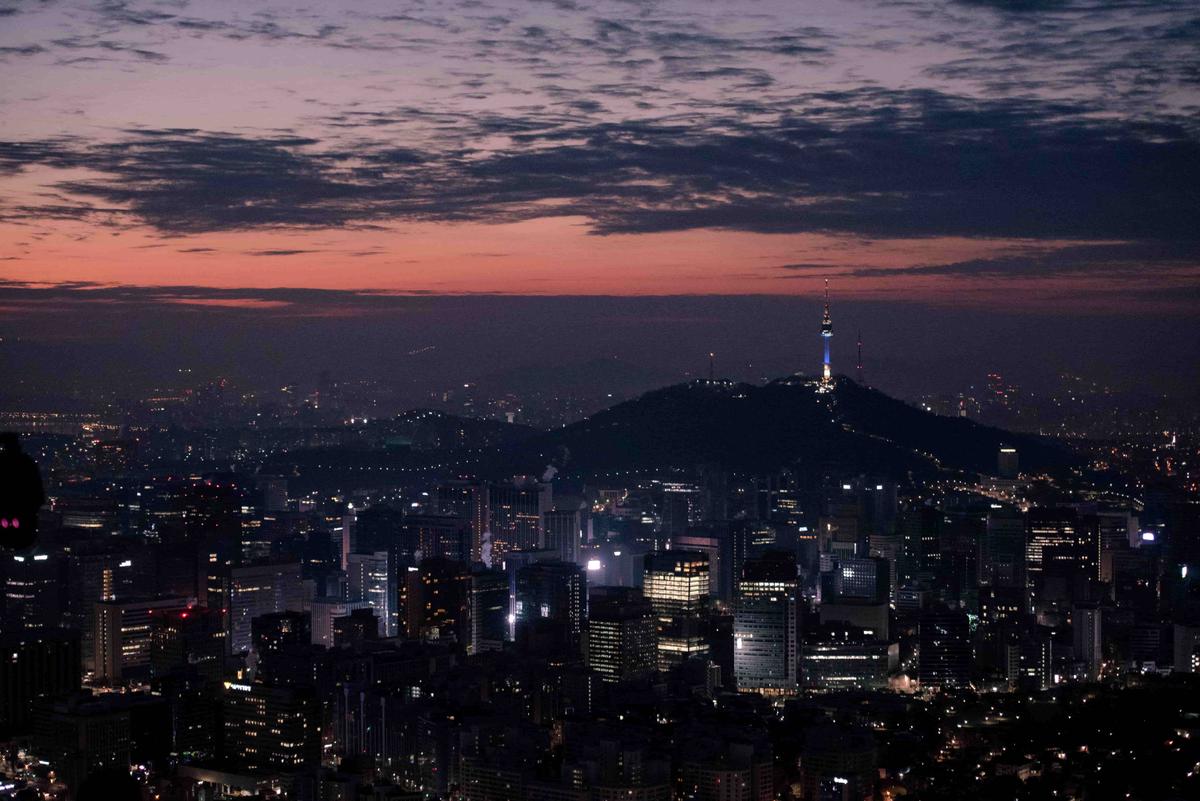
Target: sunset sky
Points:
(1040, 154)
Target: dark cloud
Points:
(290, 300)
(866, 162)
(1152, 259)
(279, 252)
(1019, 6)
(22, 50)
(93, 43)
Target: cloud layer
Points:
(1068, 123)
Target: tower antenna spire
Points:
(859, 367)
(826, 335)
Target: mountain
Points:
(785, 423)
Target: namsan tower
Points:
(826, 335)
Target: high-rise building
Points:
(944, 643)
(435, 601)
(33, 591)
(250, 591)
(1085, 628)
(676, 583)
(765, 646)
(861, 578)
(369, 578)
(100, 570)
(727, 544)
(1007, 462)
(193, 638)
(1062, 541)
(271, 728)
(563, 533)
(1002, 552)
(721, 765)
(839, 657)
(505, 516)
(1029, 659)
(123, 636)
(680, 509)
(324, 611)
(489, 610)
(621, 643)
(920, 536)
(557, 592)
(438, 536)
(345, 535)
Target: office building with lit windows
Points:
(369, 578)
(271, 728)
(33, 590)
(676, 583)
(621, 643)
(249, 591)
(839, 657)
(489, 609)
(124, 634)
(553, 591)
(765, 646)
(1061, 541)
(944, 649)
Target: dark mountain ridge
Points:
(785, 423)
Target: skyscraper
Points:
(435, 600)
(944, 658)
(489, 607)
(192, 639)
(370, 579)
(1086, 620)
(248, 591)
(621, 634)
(555, 591)
(123, 635)
(839, 657)
(324, 611)
(514, 517)
(32, 592)
(563, 532)
(271, 727)
(765, 646)
(677, 585)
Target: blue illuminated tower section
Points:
(826, 334)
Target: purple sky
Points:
(1032, 156)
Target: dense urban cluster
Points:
(228, 600)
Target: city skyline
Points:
(595, 400)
